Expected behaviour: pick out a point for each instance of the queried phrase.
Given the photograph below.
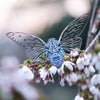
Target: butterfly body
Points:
(54, 52)
(53, 49)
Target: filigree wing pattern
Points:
(33, 54)
(70, 34)
(71, 44)
(34, 45)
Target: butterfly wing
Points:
(71, 44)
(69, 37)
(34, 45)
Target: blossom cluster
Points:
(95, 60)
(15, 80)
(95, 84)
(75, 68)
(90, 89)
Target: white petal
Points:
(97, 66)
(80, 63)
(78, 98)
(26, 73)
(86, 60)
(80, 60)
(81, 98)
(74, 53)
(62, 83)
(94, 29)
(80, 66)
(45, 82)
(73, 77)
(94, 59)
(99, 79)
(53, 70)
(94, 90)
(68, 80)
(61, 69)
(69, 65)
(89, 56)
(84, 87)
(91, 69)
(43, 73)
(95, 79)
(99, 55)
(86, 71)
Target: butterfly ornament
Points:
(53, 50)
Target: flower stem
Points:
(92, 43)
(90, 37)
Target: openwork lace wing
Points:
(69, 37)
(34, 46)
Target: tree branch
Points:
(90, 37)
(92, 43)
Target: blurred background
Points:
(45, 19)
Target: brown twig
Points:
(90, 36)
(92, 43)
